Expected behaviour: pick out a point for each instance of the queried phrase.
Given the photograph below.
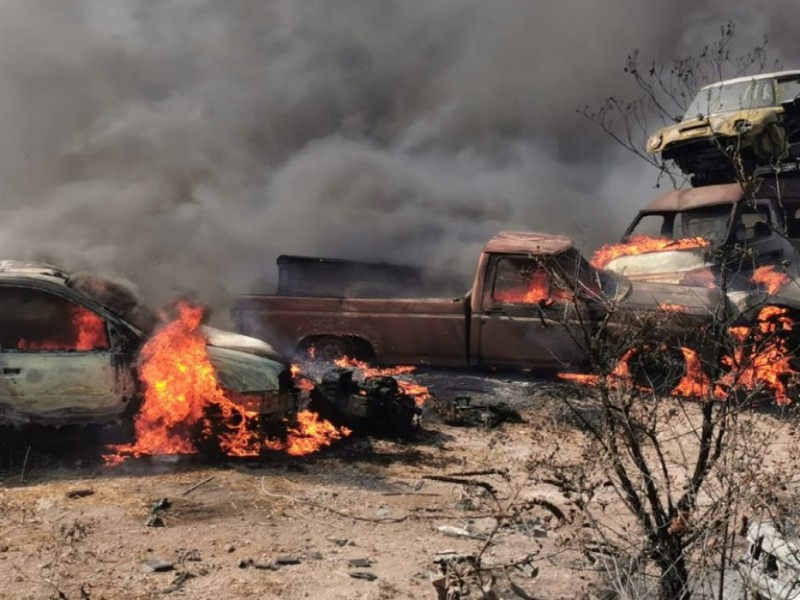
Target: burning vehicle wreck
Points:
(693, 236)
(68, 356)
(534, 305)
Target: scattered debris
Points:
(359, 563)
(459, 532)
(365, 575)
(287, 560)
(229, 548)
(376, 405)
(178, 581)
(156, 565)
(79, 493)
(462, 413)
(154, 518)
(183, 555)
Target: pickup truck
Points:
(736, 230)
(533, 299)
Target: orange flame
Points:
(180, 384)
(761, 360)
(420, 393)
(770, 279)
(87, 331)
(642, 244)
(534, 290)
(669, 307)
(309, 435)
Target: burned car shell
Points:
(762, 124)
(58, 387)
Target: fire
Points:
(770, 279)
(536, 290)
(183, 402)
(309, 435)
(642, 244)
(669, 307)
(420, 393)
(760, 360)
(85, 331)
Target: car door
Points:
(57, 366)
(527, 320)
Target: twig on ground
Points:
(196, 485)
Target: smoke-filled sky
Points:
(185, 144)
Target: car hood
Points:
(719, 124)
(665, 266)
(681, 298)
(221, 338)
(244, 372)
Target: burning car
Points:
(755, 119)
(70, 354)
(691, 236)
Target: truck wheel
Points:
(657, 367)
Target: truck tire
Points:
(658, 367)
(329, 348)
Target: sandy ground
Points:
(357, 521)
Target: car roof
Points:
(525, 242)
(751, 78)
(32, 270)
(726, 193)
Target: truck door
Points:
(56, 364)
(528, 321)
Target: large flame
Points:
(760, 361)
(770, 279)
(533, 290)
(183, 401)
(642, 244)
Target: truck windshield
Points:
(709, 222)
(736, 96)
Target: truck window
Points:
(710, 223)
(36, 321)
(652, 226)
(524, 281)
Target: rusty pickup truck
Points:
(532, 300)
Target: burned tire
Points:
(329, 348)
(657, 367)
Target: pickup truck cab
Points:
(739, 231)
(532, 301)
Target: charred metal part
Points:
(463, 413)
(375, 405)
(154, 518)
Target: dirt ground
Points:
(357, 521)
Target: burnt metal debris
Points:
(375, 405)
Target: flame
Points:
(308, 435)
(770, 279)
(669, 307)
(760, 360)
(642, 244)
(180, 386)
(420, 393)
(87, 332)
(536, 290)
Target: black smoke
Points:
(185, 144)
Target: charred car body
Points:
(67, 358)
(755, 120)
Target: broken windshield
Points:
(708, 222)
(756, 93)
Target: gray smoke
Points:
(185, 144)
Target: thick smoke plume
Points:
(185, 144)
